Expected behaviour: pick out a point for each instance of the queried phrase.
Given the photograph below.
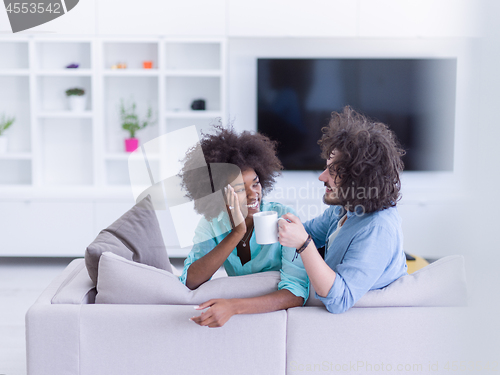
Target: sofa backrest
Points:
(441, 283)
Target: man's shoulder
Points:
(388, 218)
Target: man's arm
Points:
(220, 310)
(293, 234)
(369, 254)
(319, 226)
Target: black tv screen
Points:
(414, 97)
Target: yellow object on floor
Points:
(415, 265)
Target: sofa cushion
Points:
(135, 236)
(441, 283)
(122, 281)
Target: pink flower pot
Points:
(131, 144)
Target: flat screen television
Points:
(414, 97)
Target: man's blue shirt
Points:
(366, 254)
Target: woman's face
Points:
(249, 192)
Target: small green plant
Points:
(75, 91)
(130, 118)
(5, 123)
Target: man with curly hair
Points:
(244, 166)
(361, 231)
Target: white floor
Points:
(22, 280)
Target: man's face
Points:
(331, 191)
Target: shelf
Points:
(26, 192)
(14, 55)
(66, 151)
(52, 148)
(124, 156)
(64, 72)
(16, 156)
(52, 91)
(131, 72)
(65, 114)
(193, 55)
(181, 91)
(193, 73)
(15, 102)
(56, 55)
(14, 72)
(130, 53)
(193, 114)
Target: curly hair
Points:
(367, 168)
(246, 151)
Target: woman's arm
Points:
(220, 310)
(203, 268)
(293, 234)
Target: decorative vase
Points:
(3, 144)
(78, 103)
(131, 144)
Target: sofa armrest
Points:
(76, 287)
(55, 285)
(72, 286)
(52, 337)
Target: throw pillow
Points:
(122, 281)
(441, 283)
(135, 236)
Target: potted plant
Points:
(132, 123)
(77, 99)
(5, 123)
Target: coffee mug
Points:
(266, 227)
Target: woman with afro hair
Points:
(242, 166)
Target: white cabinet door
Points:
(45, 228)
(172, 18)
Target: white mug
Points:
(266, 227)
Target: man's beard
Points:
(330, 198)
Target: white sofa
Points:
(68, 334)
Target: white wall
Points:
(267, 18)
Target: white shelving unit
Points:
(51, 146)
(16, 165)
(68, 170)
